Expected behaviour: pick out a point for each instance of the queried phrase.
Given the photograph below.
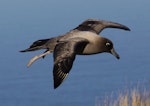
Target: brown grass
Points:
(132, 98)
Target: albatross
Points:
(82, 40)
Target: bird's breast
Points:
(90, 49)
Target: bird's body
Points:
(87, 35)
(83, 40)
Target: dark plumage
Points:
(83, 40)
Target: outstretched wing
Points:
(64, 55)
(98, 25)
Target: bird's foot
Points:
(37, 57)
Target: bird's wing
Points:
(64, 55)
(98, 25)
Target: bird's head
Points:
(106, 45)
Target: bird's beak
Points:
(113, 52)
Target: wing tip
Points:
(59, 78)
(56, 86)
(28, 50)
(127, 29)
(57, 83)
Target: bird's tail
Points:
(37, 45)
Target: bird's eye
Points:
(108, 44)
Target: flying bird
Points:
(82, 40)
